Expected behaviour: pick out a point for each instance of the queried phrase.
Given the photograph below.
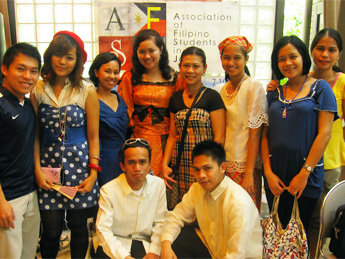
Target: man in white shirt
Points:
(132, 208)
(228, 219)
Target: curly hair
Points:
(138, 69)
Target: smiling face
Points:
(21, 75)
(290, 61)
(233, 60)
(192, 68)
(207, 172)
(149, 54)
(108, 75)
(136, 166)
(64, 65)
(326, 53)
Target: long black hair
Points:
(138, 69)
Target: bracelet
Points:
(96, 167)
(95, 157)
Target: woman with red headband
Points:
(67, 110)
(246, 111)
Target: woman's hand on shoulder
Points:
(165, 175)
(271, 86)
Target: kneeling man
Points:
(228, 219)
(132, 208)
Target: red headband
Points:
(236, 40)
(77, 39)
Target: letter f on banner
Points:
(149, 19)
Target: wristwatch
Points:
(308, 167)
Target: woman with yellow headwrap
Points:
(246, 112)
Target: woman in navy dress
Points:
(105, 74)
(301, 114)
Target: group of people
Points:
(177, 129)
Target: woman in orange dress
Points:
(146, 90)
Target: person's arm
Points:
(272, 85)
(108, 240)
(7, 215)
(343, 119)
(41, 179)
(183, 213)
(125, 91)
(218, 125)
(92, 120)
(245, 233)
(169, 146)
(167, 252)
(325, 122)
(253, 147)
(275, 184)
(161, 210)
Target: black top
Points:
(210, 101)
(17, 137)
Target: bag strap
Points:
(295, 209)
(185, 126)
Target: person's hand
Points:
(271, 86)
(167, 252)
(151, 256)
(248, 183)
(166, 176)
(298, 183)
(7, 215)
(276, 185)
(43, 181)
(87, 185)
(129, 257)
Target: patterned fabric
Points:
(284, 243)
(236, 40)
(199, 129)
(246, 111)
(238, 178)
(74, 154)
(147, 95)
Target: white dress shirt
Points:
(227, 217)
(125, 215)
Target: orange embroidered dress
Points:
(148, 102)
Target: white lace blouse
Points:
(247, 110)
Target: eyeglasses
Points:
(132, 141)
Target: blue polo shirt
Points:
(17, 137)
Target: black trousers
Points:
(137, 251)
(189, 245)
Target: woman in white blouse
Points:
(246, 111)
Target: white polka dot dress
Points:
(74, 153)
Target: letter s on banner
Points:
(118, 52)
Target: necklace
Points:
(190, 96)
(286, 104)
(230, 96)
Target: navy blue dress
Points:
(290, 139)
(112, 134)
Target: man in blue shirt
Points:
(19, 214)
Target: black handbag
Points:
(337, 244)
